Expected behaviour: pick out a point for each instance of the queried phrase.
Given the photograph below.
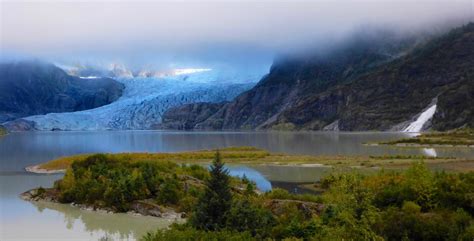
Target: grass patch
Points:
(241, 155)
(252, 155)
(460, 137)
(231, 154)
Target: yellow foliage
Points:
(252, 155)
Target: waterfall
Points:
(417, 125)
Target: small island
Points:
(255, 156)
(459, 137)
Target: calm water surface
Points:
(20, 220)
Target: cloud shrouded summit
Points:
(206, 30)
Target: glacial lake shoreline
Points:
(21, 149)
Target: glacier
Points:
(145, 99)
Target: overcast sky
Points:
(197, 29)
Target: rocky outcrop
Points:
(149, 208)
(41, 194)
(455, 106)
(20, 125)
(370, 84)
(33, 87)
(142, 207)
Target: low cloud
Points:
(187, 31)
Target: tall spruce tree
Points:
(212, 207)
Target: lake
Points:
(21, 220)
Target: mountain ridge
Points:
(359, 90)
(35, 87)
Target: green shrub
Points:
(278, 193)
(170, 191)
(247, 217)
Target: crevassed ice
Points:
(417, 125)
(144, 101)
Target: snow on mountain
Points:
(189, 71)
(89, 77)
(119, 70)
(145, 100)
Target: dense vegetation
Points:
(416, 204)
(413, 205)
(105, 182)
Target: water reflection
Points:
(115, 226)
(296, 174)
(18, 150)
(283, 176)
(22, 220)
(431, 152)
(240, 171)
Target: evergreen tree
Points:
(212, 207)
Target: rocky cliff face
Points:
(292, 79)
(396, 92)
(187, 117)
(369, 84)
(456, 106)
(32, 87)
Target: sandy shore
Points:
(37, 169)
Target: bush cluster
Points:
(103, 181)
(416, 204)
